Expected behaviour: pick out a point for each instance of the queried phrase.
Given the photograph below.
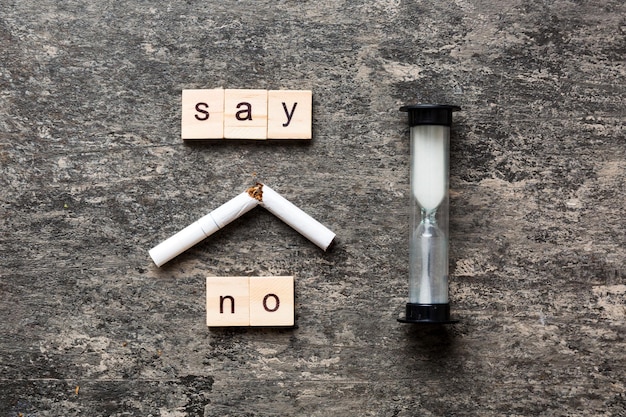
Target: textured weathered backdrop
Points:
(94, 174)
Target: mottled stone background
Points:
(94, 174)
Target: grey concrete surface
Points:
(94, 174)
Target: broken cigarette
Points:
(259, 194)
(306, 225)
(202, 228)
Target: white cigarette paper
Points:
(203, 228)
(296, 218)
(260, 194)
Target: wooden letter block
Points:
(289, 114)
(227, 301)
(202, 114)
(272, 301)
(245, 114)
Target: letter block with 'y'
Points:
(250, 301)
(289, 114)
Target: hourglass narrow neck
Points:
(428, 216)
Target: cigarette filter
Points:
(296, 218)
(202, 228)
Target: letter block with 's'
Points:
(250, 301)
(202, 114)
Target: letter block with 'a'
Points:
(250, 301)
(245, 114)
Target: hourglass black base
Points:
(427, 314)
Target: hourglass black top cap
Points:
(430, 114)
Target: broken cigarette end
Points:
(256, 191)
(202, 228)
(297, 219)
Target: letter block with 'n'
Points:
(250, 301)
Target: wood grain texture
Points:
(202, 114)
(245, 114)
(94, 173)
(289, 114)
(227, 301)
(272, 301)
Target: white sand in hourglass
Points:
(429, 166)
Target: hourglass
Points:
(428, 245)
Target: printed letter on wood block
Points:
(271, 301)
(245, 114)
(202, 114)
(289, 114)
(227, 301)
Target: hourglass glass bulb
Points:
(428, 165)
(429, 265)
